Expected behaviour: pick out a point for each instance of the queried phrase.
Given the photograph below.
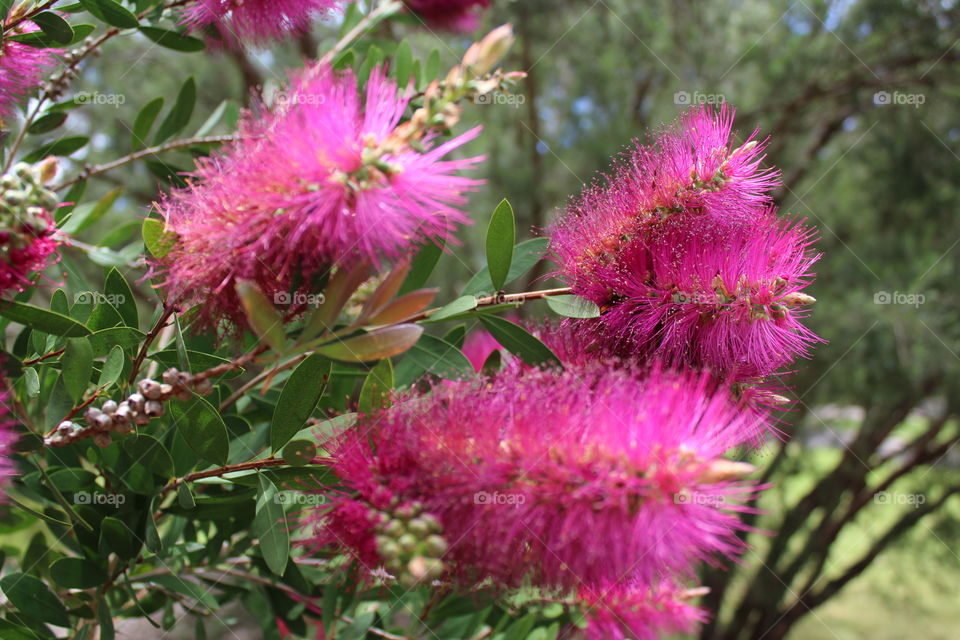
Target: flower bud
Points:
(109, 407)
(153, 408)
(150, 389)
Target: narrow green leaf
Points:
(422, 265)
(173, 40)
(77, 366)
(55, 27)
(116, 537)
(32, 598)
(518, 341)
(77, 573)
(270, 526)
(42, 320)
(111, 12)
(458, 306)
(120, 296)
(298, 399)
(525, 255)
(180, 113)
(573, 307)
(156, 238)
(374, 345)
(501, 234)
(202, 427)
(144, 122)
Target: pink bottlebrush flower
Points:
(622, 612)
(588, 476)
(8, 438)
(454, 15)
(27, 230)
(256, 21)
(26, 248)
(22, 68)
(318, 182)
(691, 169)
(726, 298)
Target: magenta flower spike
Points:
(307, 187)
(22, 68)
(557, 479)
(257, 21)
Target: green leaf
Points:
(202, 427)
(299, 453)
(150, 452)
(525, 255)
(184, 497)
(105, 618)
(120, 296)
(48, 122)
(32, 598)
(422, 265)
(180, 113)
(374, 345)
(462, 304)
(77, 365)
(573, 307)
(501, 234)
(116, 537)
(156, 238)
(42, 320)
(112, 367)
(175, 583)
(55, 27)
(77, 573)
(173, 40)
(298, 399)
(151, 537)
(439, 357)
(142, 125)
(262, 315)
(270, 526)
(113, 13)
(375, 393)
(403, 65)
(518, 341)
(61, 147)
(85, 215)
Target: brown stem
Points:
(148, 340)
(54, 354)
(119, 162)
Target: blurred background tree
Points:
(859, 98)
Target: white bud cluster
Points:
(135, 411)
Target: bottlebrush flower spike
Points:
(21, 68)
(256, 21)
(26, 226)
(454, 15)
(621, 612)
(729, 298)
(563, 479)
(691, 169)
(320, 181)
